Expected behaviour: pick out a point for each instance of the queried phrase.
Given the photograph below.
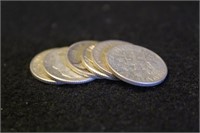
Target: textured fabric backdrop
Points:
(168, 28)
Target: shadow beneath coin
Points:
(138, 89)
(104, 84)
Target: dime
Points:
(56, 66)
(136, 65)
(74, 54)
(88, 63)
(37, 68)
(98, 55)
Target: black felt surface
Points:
(168, 28)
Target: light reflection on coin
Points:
(88, 63)
(136, 65)
(98, 55)
(73, 57)
(37, 68)
(56, 66)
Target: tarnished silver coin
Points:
(136, 65)
(37, 68)
(56, 66)
(88, 63)
(73, 57)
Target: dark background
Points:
(168, 28)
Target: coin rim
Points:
(93, 69)
(75, 69)
(99, 66)
(68, 81)
(47, 81)
(134, 82)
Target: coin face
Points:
(136, 65)
(99, 52)
(74, 54)
(37, 68)
(88, 63)
(56, 66)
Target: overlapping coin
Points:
(87, 60)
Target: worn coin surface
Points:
(56, 66)
(37, 68)
(88, 63)
(98, 55)
(136, 65)
(73, 57)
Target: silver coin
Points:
(136, 65)
(56, 66)
(98, 55)
(88, 63)
(37, 68)
(74, 54)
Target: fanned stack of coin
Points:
(88, 60)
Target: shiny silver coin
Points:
(99, 58)
(73, 57)
(136, 65)
(38, 71)
(56, 66)
(88, 63)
